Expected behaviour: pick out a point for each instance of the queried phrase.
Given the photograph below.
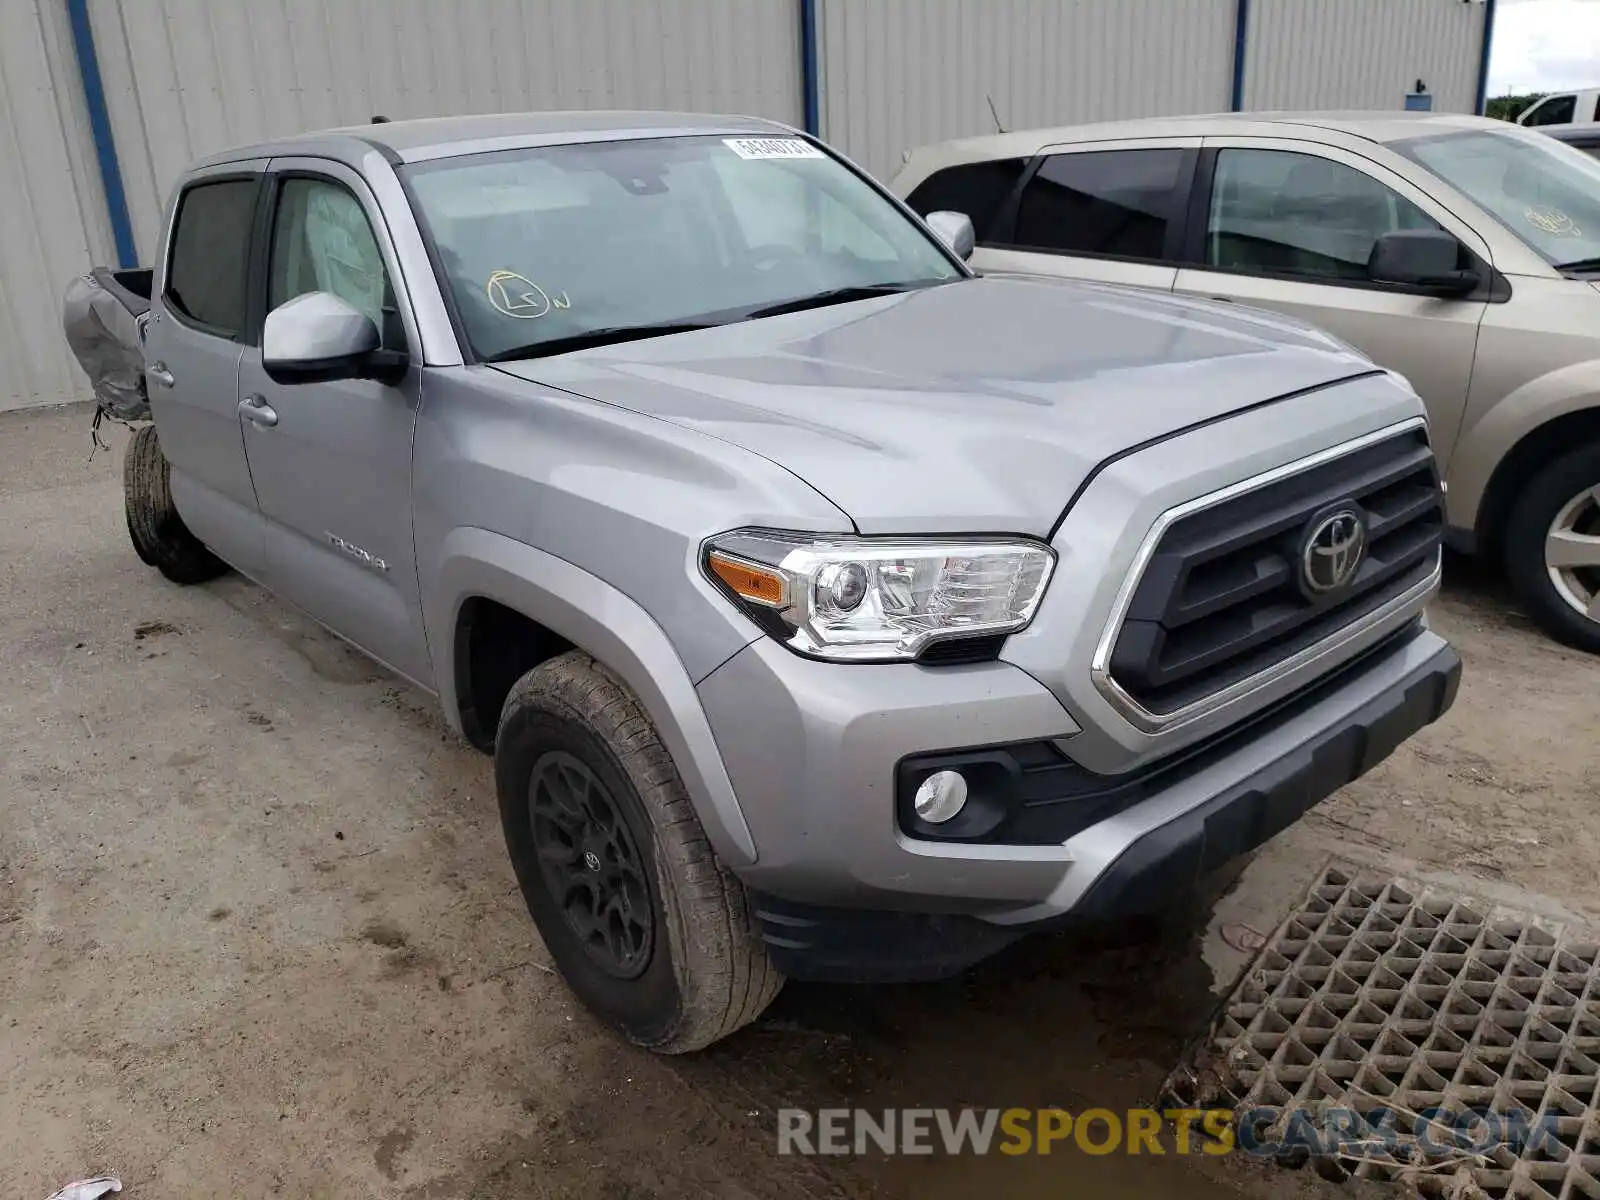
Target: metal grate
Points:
(1372, 1001)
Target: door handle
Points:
(256, 410)
(157, 373)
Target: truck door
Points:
(331, 461)
(192, 349)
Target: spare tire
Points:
(159, 536)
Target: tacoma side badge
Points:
(366, 557)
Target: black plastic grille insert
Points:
(1221, 598)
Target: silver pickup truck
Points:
(830, 611)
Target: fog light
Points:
(940, 796)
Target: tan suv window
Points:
(1276, 212)
(1111, 202)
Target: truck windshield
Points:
(1544, 191)
(559, 247)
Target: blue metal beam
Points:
(1241, 44)
(1483, 60)
(810, 82)
(105, 146)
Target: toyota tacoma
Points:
(830, 611)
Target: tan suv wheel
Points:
(1552, 548)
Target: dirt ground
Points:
(260, 937)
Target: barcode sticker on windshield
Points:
(771, 148)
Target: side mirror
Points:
(318, 337)
(1420, 258)
(955, 230)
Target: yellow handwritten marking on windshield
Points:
(520, 297)
(1552, 221)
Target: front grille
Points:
(1221, 599)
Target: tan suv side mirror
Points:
(1425, 259)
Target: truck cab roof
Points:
(443, 137)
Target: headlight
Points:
(880, 600)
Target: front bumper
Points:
(844, 893)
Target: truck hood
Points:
(975, 406)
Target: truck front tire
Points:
(647, 927)
(1552, 548)
(160, 538)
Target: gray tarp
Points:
(107, 340)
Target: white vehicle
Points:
(1562, 108)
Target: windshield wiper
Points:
(1580, 264)
(609, 336)
(842, 295)
(631, 333)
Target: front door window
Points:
(322, 242)
(1276, 212)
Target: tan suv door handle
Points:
(158, 374)
(256, 410)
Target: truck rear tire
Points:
(160, 538)
(647, 927)
(1552, 548)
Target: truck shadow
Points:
(1478, 588)
(1084, 1018)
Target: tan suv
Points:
(1461, 252)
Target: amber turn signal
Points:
(749, 581)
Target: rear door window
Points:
(979, 189)
(1117, 203)
(210, 249)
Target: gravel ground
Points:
(261, 937)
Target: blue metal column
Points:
(810, 90)
(105, 147)
(1241, 44)
(1483, 60)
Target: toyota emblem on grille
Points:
(1333, 551)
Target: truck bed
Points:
(103, 314)
(130, 286)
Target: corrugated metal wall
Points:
(901, 73)
(186, 77)
(52, 211)
(1362, 53)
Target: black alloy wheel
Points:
(590, 864)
